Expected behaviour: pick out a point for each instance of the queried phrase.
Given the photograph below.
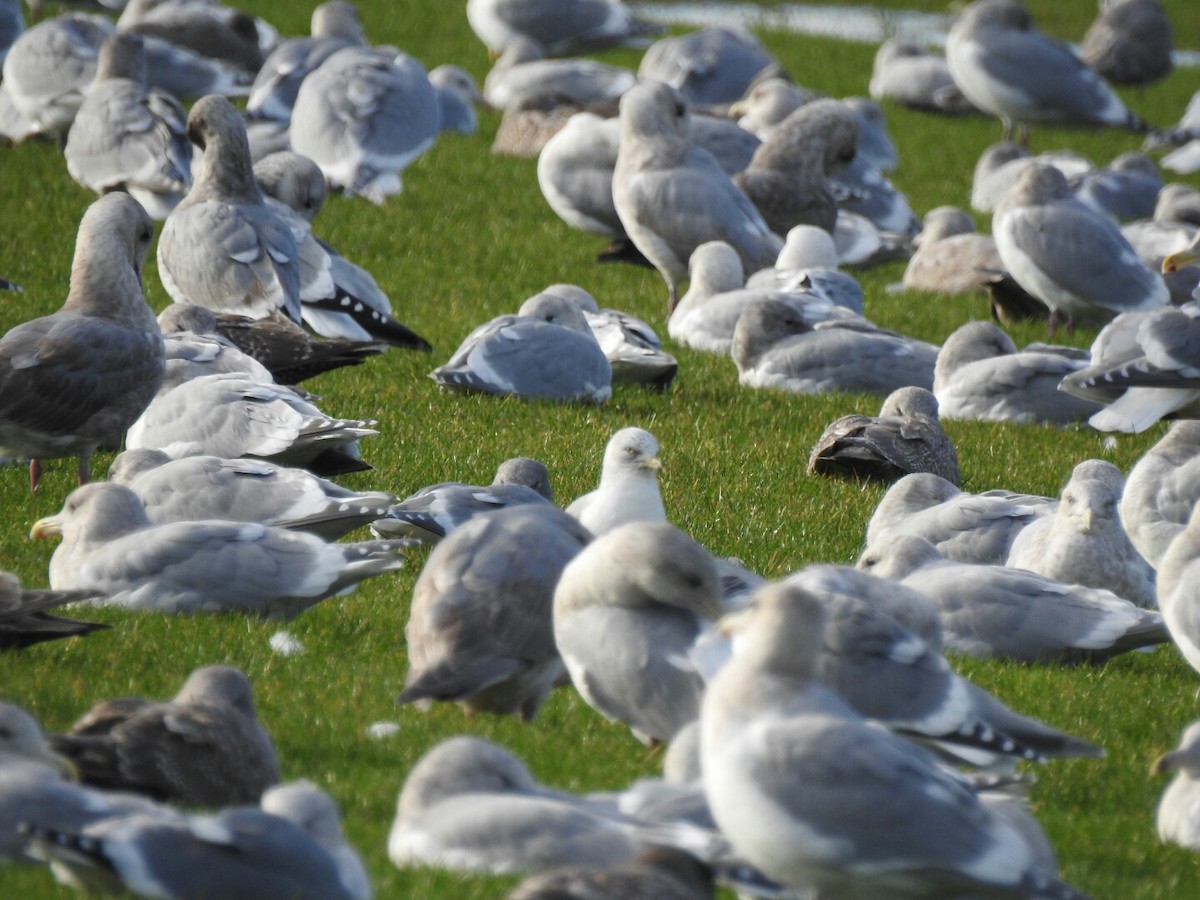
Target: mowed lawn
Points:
(470, 238)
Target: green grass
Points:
(470, 238)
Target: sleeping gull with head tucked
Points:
(561, 26)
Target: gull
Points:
(193, 488)
(434, 511)
(458, 97)
(208, 29)
(204, 747)
(1127, 188)
(561, 26)
(24, 619)
(126, 136)
(627, 612)
(110, 545)
(1162, 489)
(818, 798)
(995, 611)
(1084, 542)
(660, 873)
(523, 71)
(75, 379)
(671, 197)
(1178, 813)
(363, 116)
(1130, 42)
(1002, 163)
(480, 629)
(949, 257)
(1012, 71)
(628, 489)
(905, 437)
(1178, 597)
(222, 247)
(707, 66)
(767, 102)
(907, 73)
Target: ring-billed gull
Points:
(786, 178)
(434, 511)
(980, 374)
(1130, 42)
(209, 566)
(949, 256)
(816, 797)
(776, 347)
(24, 619)
(221, 247)
(1162, 489)
(905, 437)
(672, 197)
(545, 351)
(363, 116)
(963, 526)
(75, 379)
(335, 25)
(561, 26)
(126, 136)
(628, 489)
(627, 612)
(193, 488)
(708, 66)
(660, 873)
(1179, 589)
(907, 73)
(523, 71)
(1084, 542)
(1072, 258)
(995, 611)
(1011, 70)
(1178, 813)
(480, 628)
(204, 747)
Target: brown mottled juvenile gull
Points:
(775, 347)
(1130, 42)
(786, 178)
(204, 747)
(818, 798)
(193, 488)
(480, 630)
(907, 73)
(523, 72)
(768, 102)
(1009, 69)
(1084, 542)
(434, 511)
(1179, 589)
(707, 66)
(353, 307)
(963, 526)
(126, 136)
(672, 197)
(222, 247)
(949, 257)
(628, 489)
(561, 26)
(995, 611)
(24, 619)
(77, 378)
(627, 612)
(660, 873)
(1162, 489)
(1072, 258)
(1178, 814)
(905, 437)
(980, 374)
(334, 25)
(545, 351)
(363, 116)
(209, 29)
(208, 566)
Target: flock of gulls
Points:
(819, 741)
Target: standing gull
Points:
(628, 489)
(1162, 489)
(672, 197)
(1178, 813)
(817, 797)
(200, 567)
(1084, 542)
(204, 747)
(480, 629)
(222, 247)
(1011, 70)
(77, 378)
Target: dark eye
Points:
(680, 109)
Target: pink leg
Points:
(35, 475)
(84, 472)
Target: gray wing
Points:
(273, 93)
